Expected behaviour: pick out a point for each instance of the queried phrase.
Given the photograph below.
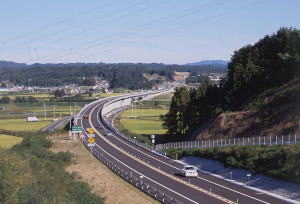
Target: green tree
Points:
(31, 99)
(175, 120)
(270, 62)
(5, 100)
(3, 85)
(19, 99)
(59, 93)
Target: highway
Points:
(162, 172)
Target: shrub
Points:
(282, 162)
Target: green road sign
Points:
(77, 129)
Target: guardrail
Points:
(248, 141)
(128, 138)
(135, 181)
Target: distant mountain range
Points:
(12, 64)
(209, 62)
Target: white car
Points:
(108, 133)
(189, 171)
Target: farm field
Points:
(7, 141)
(146, 121)
(20, 124)
(163, 97)
(105, 95)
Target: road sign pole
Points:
(91, 151)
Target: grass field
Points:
(146, 122)
(144, 112)
(105, 95)
(38, 96)
(20, 124)
(163, 97)
(8, 141)
(23, 110)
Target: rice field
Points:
(143, 121)
(105, 95)
(7, 141)
(21, 124)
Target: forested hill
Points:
(126, 75)
(255, 73)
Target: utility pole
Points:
(132, 108)
(45, 112)
(135, 111)
(54, 112)
(70, 124)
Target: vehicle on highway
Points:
(108, 133)
(98, 126)
(188, 171)
(85, 117)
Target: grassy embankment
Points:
(282, 162)
(30, 173)
(144, 120)
(103, 182)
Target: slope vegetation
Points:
(276, 111)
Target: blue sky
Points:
(167, 31)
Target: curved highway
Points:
(161, 172)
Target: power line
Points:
(60, 22)
(71, 27)
(151, 24)
(184, 26)
(80, 32)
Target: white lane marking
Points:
(154, 168)
(140, 172)
(227, 188)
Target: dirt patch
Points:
(102, 181)
(180, 76)
(276, 114)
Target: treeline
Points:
(253, 69)
(30, 173)
(121, 75)
(256, 159)
(18, 99)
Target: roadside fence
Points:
(244, 141)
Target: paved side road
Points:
(55, 125)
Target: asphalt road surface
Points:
(162, 172)
(55, 125)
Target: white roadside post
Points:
(153, 140)
(248, 176)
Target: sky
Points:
(160, 31)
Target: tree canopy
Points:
(253, 69)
